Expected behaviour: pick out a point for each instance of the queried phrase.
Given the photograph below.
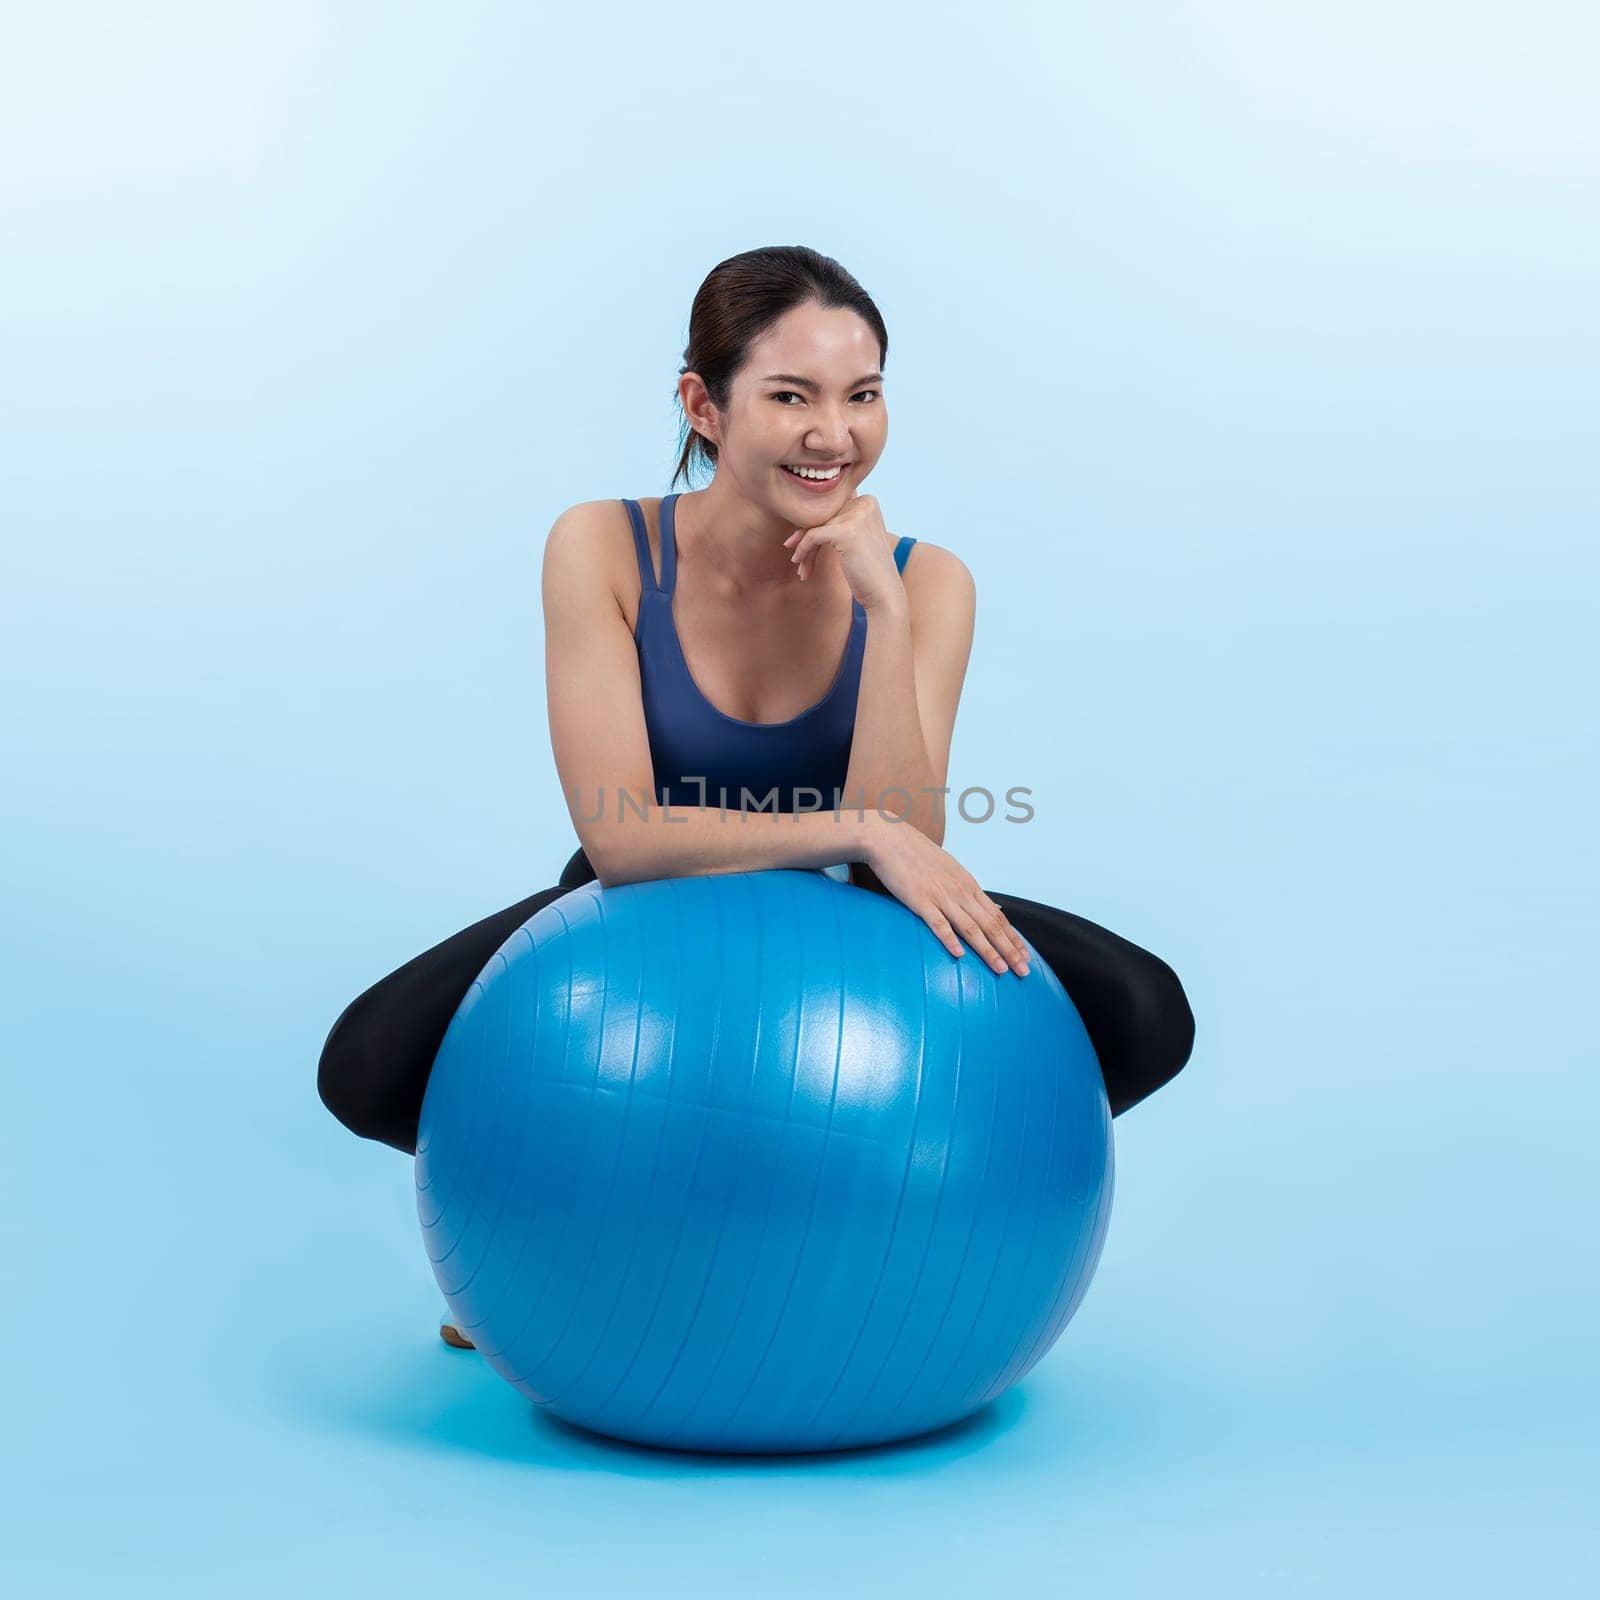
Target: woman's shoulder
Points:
(593, 514)
(588, 536)
(600, 528)
(932, 566)
(591, 542)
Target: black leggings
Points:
(377, 1058)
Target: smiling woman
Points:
(762, 670)
(784, 329)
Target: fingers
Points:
(940, 924)
(1004, 942)
(1003, 931)
(984, 926)
(985, 936)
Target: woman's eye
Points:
(790, 393)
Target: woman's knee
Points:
(341, 1071)
(351, 1082)
(1163, 1024)
(374, 1068)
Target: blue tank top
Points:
(691, 739)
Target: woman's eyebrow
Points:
(807, 383)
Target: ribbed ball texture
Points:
(749, 1162)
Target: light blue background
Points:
(1246, 353)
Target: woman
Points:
(764, 660)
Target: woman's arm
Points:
(912, 670)
(598, 731)
(602, 747)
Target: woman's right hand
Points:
(925, 878)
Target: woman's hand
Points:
(927, 879)
(858, 537)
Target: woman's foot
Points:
(453, 1336)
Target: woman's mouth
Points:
(812, 480)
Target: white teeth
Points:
(815, 472)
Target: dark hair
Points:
(739, 301)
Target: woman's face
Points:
(810, 394)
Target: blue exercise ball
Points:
(749, 1162)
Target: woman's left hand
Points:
(860, 540)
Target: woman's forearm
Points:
(683, 841)
(889, 766)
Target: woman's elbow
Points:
(606, 856)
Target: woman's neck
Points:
(742, 543)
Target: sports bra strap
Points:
(902, 550)
(641, 544)
(668, 517)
